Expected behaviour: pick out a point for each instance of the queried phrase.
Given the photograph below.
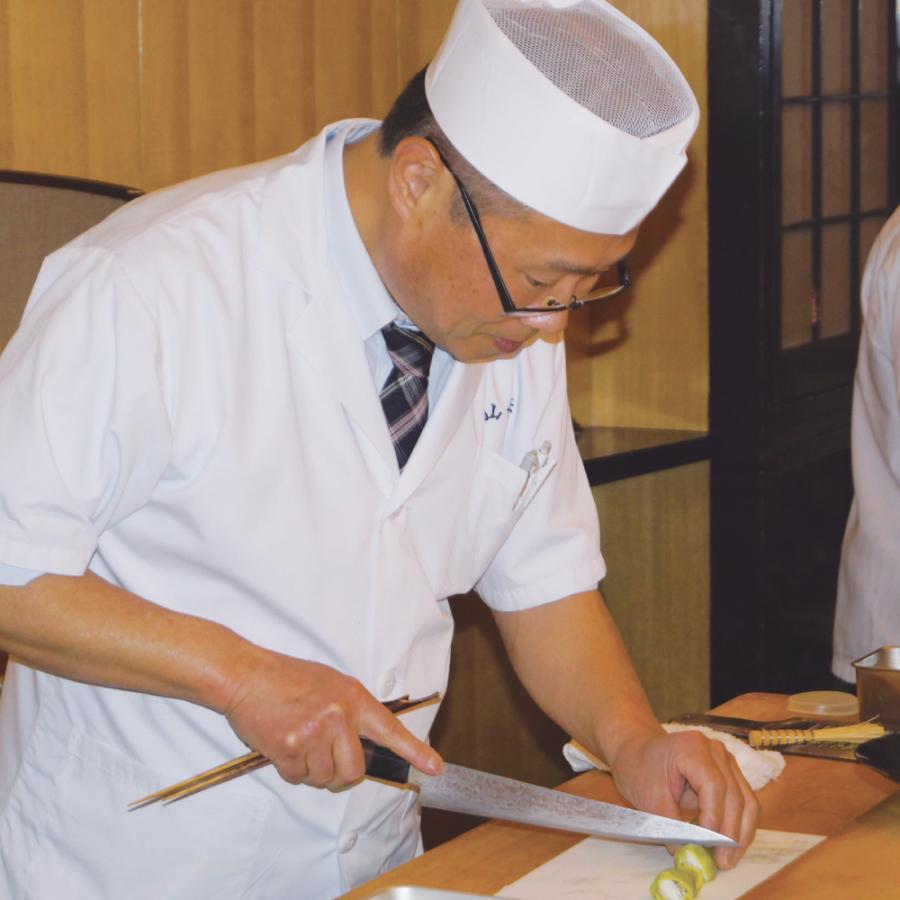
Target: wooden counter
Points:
(816, 796)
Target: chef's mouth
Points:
(505, 345)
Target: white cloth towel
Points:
(758, 766)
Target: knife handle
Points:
(383, 763)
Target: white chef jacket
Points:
(868, 601)
(188, 411)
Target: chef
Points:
(259, 426)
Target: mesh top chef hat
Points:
(567, 105)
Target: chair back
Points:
(38, 214)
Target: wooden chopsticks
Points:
(207, 779)
(250, 762)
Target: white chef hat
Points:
(567, 105)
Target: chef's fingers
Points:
(739, 815)
(349, 763)
(730, 805)
(292, 769)
(702, 776)
(727, 804)
(320, 767)
(701, 766)
(390, 732)
(745, 827)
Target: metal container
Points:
(408, 892)
(878, 686)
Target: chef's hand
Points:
(665, 773)
(307, 718)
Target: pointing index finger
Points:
(392, 734)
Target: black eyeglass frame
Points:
(506, 301)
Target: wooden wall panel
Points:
(165, 114)
(6, 105)
(655, 537)
(220, 83)
(284, 75)
(48, 91)
(112, 87)
(422, 26)
(343, 27)
(151, 93)
(642, 360)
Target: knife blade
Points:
(740, 727)
(463, 790)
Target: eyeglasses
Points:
(608, 283)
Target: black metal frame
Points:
(772, 410)
(798, 371)
(613, 454)
(65, 182)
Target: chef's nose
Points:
(548, 322)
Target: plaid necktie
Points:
(404, 396)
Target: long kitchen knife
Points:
(742, 727)
(470, 791)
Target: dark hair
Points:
(411, 115)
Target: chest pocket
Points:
(472, 524)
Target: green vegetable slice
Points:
(673, 884)
(693, 856)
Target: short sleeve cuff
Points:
(13, 576)
(41, 558)
(511, 597)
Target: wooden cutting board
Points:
(845, 801)
(862, 861)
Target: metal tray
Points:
(409, 892)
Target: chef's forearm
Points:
(572, 660)
(86, 629)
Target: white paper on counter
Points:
(611, 870)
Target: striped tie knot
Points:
(404, 396)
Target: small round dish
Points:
(824, 703)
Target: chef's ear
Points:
(418, 182)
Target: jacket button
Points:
(346, 842)
(387, 683)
